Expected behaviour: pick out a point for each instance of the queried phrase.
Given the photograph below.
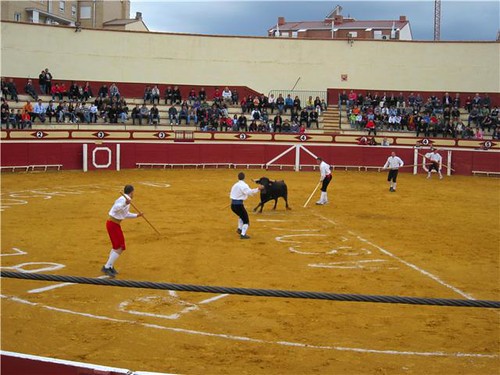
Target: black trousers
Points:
(393, 175)
(242, 213)
(326, 182)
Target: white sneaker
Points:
(440, 177)
(428, 176)
(319, 202)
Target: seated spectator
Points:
(30, 89)
(28, 107)
(304, 117)
(143, 113)
(87, 92)
(136, 114)
(25, 120)
(313, 117)
(296, 103)
(295, 127)
(287, 128)
(256, 115)
(192, 96)
(12, 90)
(202, 94)
(479, 134)
(310, 103)
(271, 102)
(169, 95)
(114, 92)
(73, 93)
(192, 116)
(39, 111)
(155, 94)
(227, 95)
(242, 123)
(176, 95)
(103, 92)
(93, 110)
(172, 115)
(147, 94)
(473, 116)
(15, 118)
(122, 112)
(235, 97)
(154, 115)
(4, 117)
(183, 114)
(253, 126)
(281, 103)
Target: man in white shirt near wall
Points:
(436, 163)
(239, 193)
(393, 163)
(326, 177)
(118, 212)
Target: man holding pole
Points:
(118, 212)
(326, 177)
(393, 163)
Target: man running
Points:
(393, 163)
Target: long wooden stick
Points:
(147, 221)
(432, 161)
(310, 197)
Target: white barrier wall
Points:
(260, 63)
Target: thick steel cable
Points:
(254, 292)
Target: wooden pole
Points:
(310, 197)
(144, 217)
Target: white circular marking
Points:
(155, 184)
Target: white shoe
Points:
(440, 177)
(428, 176)
(319, 202)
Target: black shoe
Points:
(113, 269)
(238, 231)
(244, 237)
(108, 271)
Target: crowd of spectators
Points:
(430, 118)
(77, 104)
(260, 113)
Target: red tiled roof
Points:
(321, 25)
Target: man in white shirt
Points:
(436, 163)
(326, 176)
(118, 212)
(239, 193)
(393, 163)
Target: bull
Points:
(272, 191)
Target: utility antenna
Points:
(437, 20)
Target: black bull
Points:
(272, 190)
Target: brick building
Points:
(98, 14)
(336, 26)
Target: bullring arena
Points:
(432, 239)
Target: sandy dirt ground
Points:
(432, 238)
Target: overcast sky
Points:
(460, 20)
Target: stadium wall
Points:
(261, 63)
(77, 150)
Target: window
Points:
(73, 11)
(62, 6)
(85, 13)
(294, 34)
(17, 17)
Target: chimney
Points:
(281, 21)
(138, 15)
(402, 18)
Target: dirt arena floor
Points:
(432, 238)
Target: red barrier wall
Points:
(70, 155)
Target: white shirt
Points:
(435, 157)
(241, 191)
(120, 209)
(393, 162)
(324, 170)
